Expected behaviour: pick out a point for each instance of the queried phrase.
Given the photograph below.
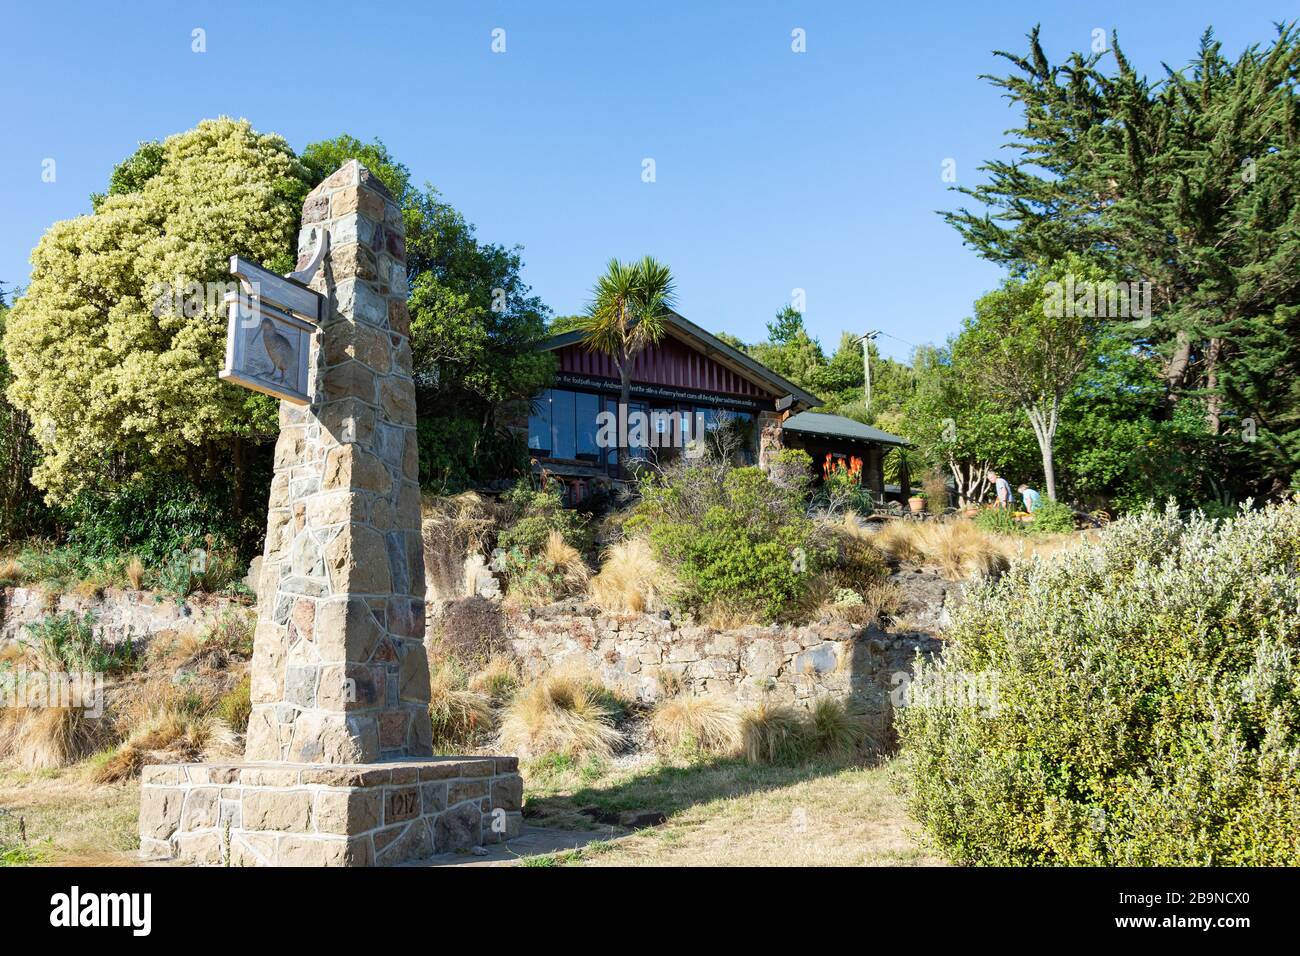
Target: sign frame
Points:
(298, 332)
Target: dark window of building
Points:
(564, 431)
(564, 425)
(586, 408)
(539, 424)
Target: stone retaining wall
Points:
(119, 614)
(646, 657)
(272, 814)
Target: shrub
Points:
(997, 521)
(1052, 517)
(530, 515)
(752, 546)
(1141, 702)
(159, 517)
(842, 489)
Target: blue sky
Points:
(775, 170)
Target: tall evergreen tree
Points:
(1190, 183)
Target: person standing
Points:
(1003, 488)
(1032, 498)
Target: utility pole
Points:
(866, 339)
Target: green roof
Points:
(837, 426)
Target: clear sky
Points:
(774, 170)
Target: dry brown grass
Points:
(835, 733)
(878, 600)
(453, 528)
(630, 578)
(900, 540)
(729, 615)
(135, 572)
(70, 822)
(955, 547)
(459, 715)
(497, 680)
(563, 559)
(565, 712)
(121, 763)
(737, 814)
(774, 733)
(10, 571)
(708, 724)
(157, 722)
(44, 738)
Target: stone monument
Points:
(338, 765)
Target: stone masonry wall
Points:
(119, 614)
(646, 657)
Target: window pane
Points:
(611, 453)
(563, 433)
(539, 424)
(638, 429)
(586, 408)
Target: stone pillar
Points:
(338, 768)
(339, 671)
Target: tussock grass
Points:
(780, 734)
(459, 715)
(11, 572)
(454, 527)
(774, 734)
(707, 724)
(630, 578)
(956, 548)
(236, 705)
(901, 540)
(115, 764)
(497, 680)
(46, 738)
(834, 732)
(134, 572)
(565, 561)
(563, 712)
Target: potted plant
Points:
(917, 502)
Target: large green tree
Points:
(956, 428)
(1192, 183)
(1030, 356)
(115, 343)
(20, 507)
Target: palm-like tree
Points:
(629, 306)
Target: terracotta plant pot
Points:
(916, 504)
